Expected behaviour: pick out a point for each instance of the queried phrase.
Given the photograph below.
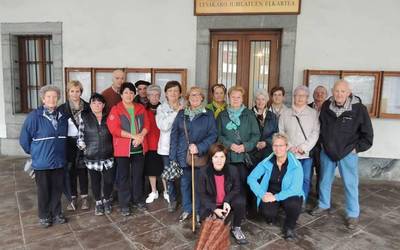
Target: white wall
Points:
(104, 33)
(352, 35)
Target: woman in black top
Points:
(219, 190)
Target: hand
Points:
(137, 139)
(268, 197)
(261, 144)
(193, 149)
(241, 148)
(235, 148)
(293, 149)
(226, 208)
(220, 213)
(300, 151)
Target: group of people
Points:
(247, 160)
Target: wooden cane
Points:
(193, 198)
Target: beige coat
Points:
(309, 120)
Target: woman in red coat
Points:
(128, 123)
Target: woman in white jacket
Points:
(300, 123)
(165, 116)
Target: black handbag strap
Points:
(185, 130)
(301, 127)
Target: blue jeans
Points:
(170, 184)
(348, 169)
(307, 167)
(186, 189)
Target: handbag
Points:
(248, 162)
(172, 171)
(311, 153)
(214, 234)
(199, 161)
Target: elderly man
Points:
(320, 94)
(346, 130)
(111, 94)
(141, 88)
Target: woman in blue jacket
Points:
(281, 185)
(202, 133)
(43, 136)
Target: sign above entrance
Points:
(246, 7)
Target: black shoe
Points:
(125, 211)
(45, 223)
(239, 235)
(99, 209)
(141, 206)
(59, 219)
(289, 234)
(317, 211)
(352, 223)
(107, 206)
(172, 206)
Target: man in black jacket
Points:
(346, 130)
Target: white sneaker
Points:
(152, 196)
(166, 196)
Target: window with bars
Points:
(35, 65)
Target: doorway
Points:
(245, 58)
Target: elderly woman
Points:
(218, 103)
(277, 99)
(268, 124)
(77, 170)
(165, 117)
(153, 161)
(238, 131)
(193, 131)
(219, 189)
(281, 185)
(43, 136)
(301, 125)
(128, 123)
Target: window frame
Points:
(380, 112)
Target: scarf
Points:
(234, 116)
(76, 111)
(193, 112)
(218, 108)
(52, 116)
(339, 110)
(153, 108)
(260, 116)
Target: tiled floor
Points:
(157, 229)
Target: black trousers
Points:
(317, 166)
(49, 185)
(238, 206)
(130, 179)
(105, 177)
(78, 173)
(251, 201)
(291, 206)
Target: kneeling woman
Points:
(219, 190)
(281, 185)
(96, 141)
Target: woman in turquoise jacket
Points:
(281, 185)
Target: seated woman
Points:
(96, 141)
(219, 190)
(281, 185)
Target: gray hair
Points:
(153, 88)
(262, 92)
(46, 88)
(281, 136)
(301, 88)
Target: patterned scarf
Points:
(76, 111)
(234, 116)
(260, 116)
(218, 108)
(193, 112)
(52, 116)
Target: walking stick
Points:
(193, 198)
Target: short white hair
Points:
(46, 88)
(263, 93)
(153, 88)
(301, 88)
